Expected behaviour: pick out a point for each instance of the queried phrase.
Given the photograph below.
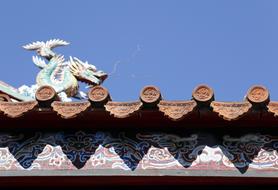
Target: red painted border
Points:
(109, 181)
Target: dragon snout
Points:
(101, 75)
(93, 78)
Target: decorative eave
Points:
(150, 109)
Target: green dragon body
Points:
(58, 75)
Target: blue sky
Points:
(173, 44)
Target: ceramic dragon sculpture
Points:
(62, 75)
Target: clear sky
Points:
(174, 44)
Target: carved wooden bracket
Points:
(17, 109)
(122, 109)
(273, 108)
(176, 110)
(231, 110)
(69, 110)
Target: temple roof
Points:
(98, 138)
(256, 109)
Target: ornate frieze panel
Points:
(250, 150)
(122, 109)
(176, 110)
(139, 151)
(16, 109)
(69, 110)
(230, 110)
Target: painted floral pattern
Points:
(139, 151)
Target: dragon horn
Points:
(78, 60)
(74, 65)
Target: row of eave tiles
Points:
(257, 98)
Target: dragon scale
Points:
(58, 76)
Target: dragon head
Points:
(86, 72)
